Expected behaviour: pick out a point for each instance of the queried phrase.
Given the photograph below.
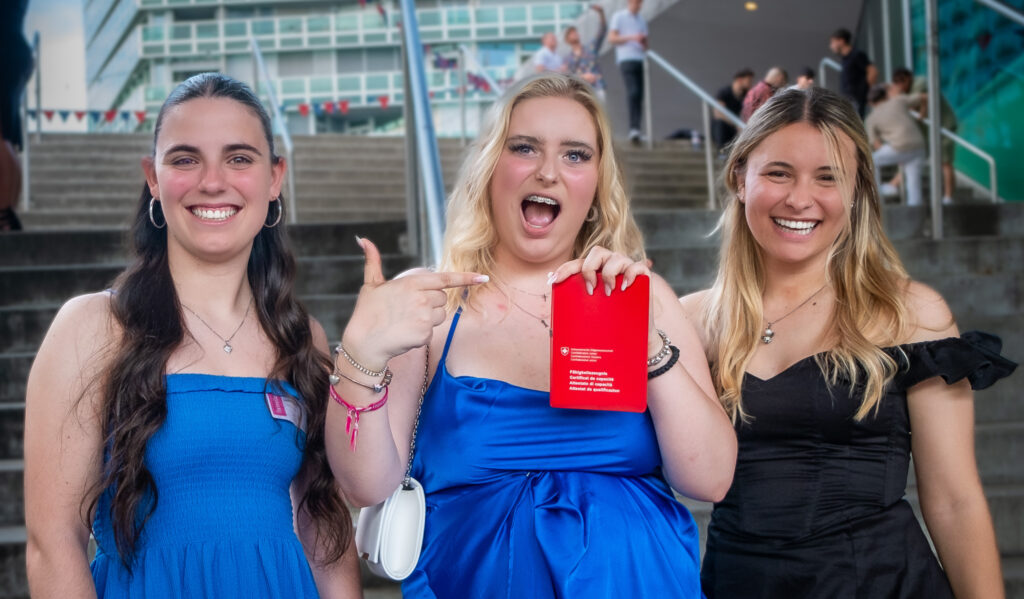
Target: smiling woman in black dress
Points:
(827, 355)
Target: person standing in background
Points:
(629, 36)
(582, 59)
(15, 69)
(858, 74)
(546, 59)
(763, 91)
(731, 97)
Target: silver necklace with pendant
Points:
(769, 334)
(227, 342)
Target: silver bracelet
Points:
(363, 369)
(666, 349)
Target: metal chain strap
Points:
(416, 423)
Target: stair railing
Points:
(260, 73)
(467, 59)
(1003, 9)
(707, 103)
(26, 197)
(428, 160)
(993, 186)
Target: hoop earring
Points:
(153, 220)
(280, 213)
(592, 214)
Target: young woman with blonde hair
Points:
(827, 355)
(525, 500)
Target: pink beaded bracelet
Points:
(352, 422)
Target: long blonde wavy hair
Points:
(863, 268)
(471, 236)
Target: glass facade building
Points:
(321, 54)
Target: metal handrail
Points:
(282, 127)
(707, 102)
(26, 202)
(428, 158)
(467, 52)
(988, 158)
(1003, 9)
(993, 185)
(992, 181)
(827, 62)
(465, 56)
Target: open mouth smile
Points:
(539, 211)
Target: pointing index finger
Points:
(447, 280)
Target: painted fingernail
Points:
(551, 278)
(607, 289)
(481, 279)
(623, 284)
(590, 288)
(359, 241)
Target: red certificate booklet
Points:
(599, 345)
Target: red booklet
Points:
(599, 345)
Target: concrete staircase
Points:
(77, 247)
(93, 181)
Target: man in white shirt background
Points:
(628, 33)
(546, 59)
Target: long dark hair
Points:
(145, 305)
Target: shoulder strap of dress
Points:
(451, 334)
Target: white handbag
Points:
(389, 535)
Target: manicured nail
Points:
(551, 278)
(623, 284)
(481, 279)
(359, 242)
(607, 289)
(590, 288)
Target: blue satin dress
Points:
(526, 500)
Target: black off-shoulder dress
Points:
(816, 507)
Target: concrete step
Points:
(12, 491)
(108, 246)
(92, 219)
(54, 284)
(12, 430)
(13, 579)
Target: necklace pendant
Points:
(227, 348)
(768, 335)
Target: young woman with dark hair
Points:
(182, 410)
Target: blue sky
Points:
(62, 56)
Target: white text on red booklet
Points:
(599, 345)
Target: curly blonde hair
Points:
(863, 268)
(471, 236)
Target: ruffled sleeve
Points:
(975, 355)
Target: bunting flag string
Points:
(96, 116)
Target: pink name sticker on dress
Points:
(286, 408)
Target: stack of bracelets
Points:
(667, 351)
(352, 422)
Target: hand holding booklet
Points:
(599, 345)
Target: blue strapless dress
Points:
(529, 501)
(223, 522)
